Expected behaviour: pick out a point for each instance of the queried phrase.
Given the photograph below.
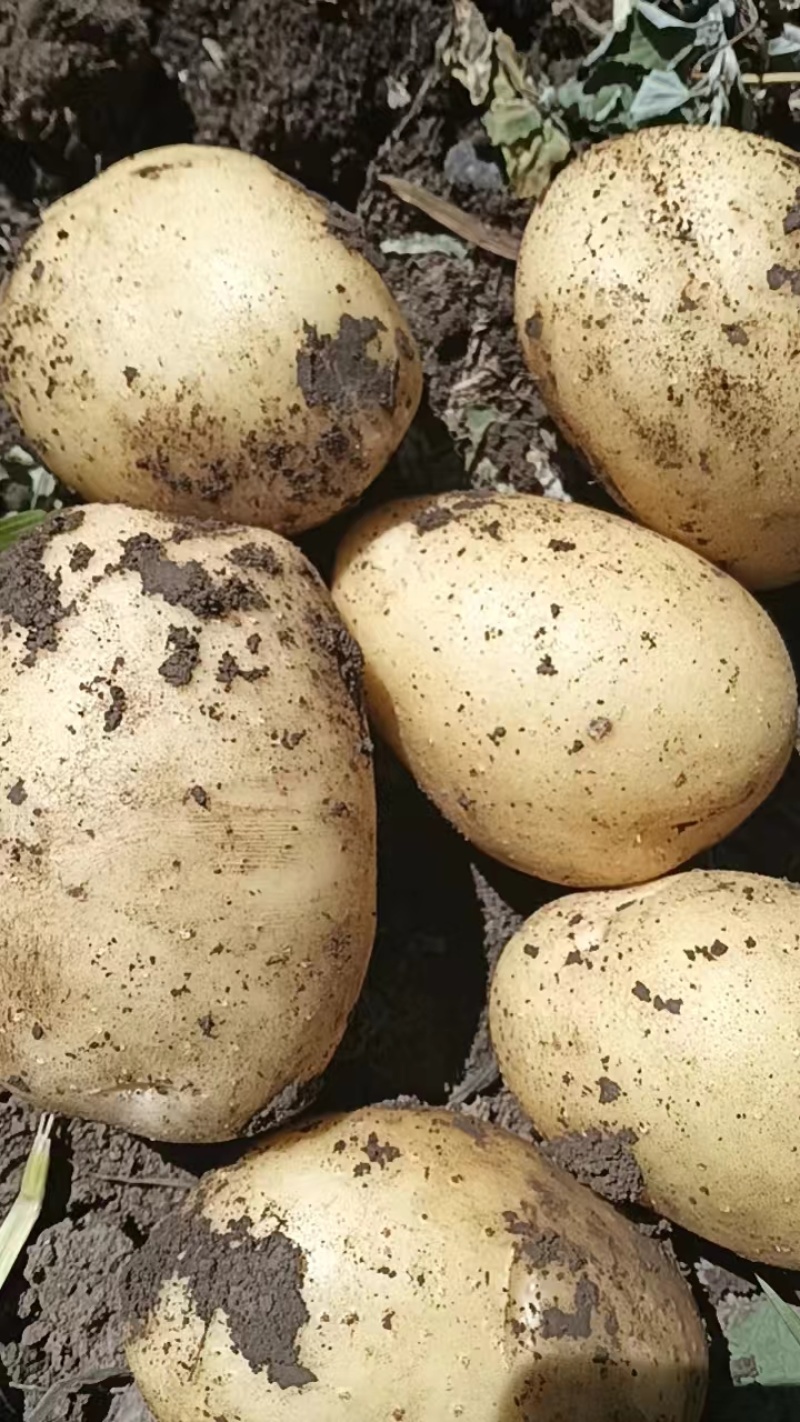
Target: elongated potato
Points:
(657, 305)
(670, 1012)
(581, 698)
(187, 851)
(411, 1265)
(188, 332)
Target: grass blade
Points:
(15, 525)
(25, 1211)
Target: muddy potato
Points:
(670, 1011)
(188, 332)
(187, 852)
(583, 699)
(410, 1264)
(657, 306)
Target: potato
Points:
(188, 333)
(187, 852)
(582, 699)
(408, 1264)
(657, 306)
(670, 1012)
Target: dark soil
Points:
(335, 92)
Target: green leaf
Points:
(786, 1312)
(659, 94)
(762, 1348)
(424, 244)
(15, 526)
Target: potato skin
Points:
(188, 333)
(671, 1011)
(408, 1264)
(656, 304)
(582, 699)
(187, 837)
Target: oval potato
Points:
(187, 835)
(670, 1011)
(582, 699)
(188, 333)
(408, 1264)
(657, 305)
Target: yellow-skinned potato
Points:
(188, 333)
(187, 853)
(657, 305)
(408, 1266)
(583, 699)
(670, 1012)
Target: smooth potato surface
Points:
(408, 1264)
(657, 305)
(583, 699)
(189, 333)
(187, 855)
(670, 1011)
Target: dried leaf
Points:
(480, 234)
(469, 51)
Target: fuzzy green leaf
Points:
(762, 1348)
(659, 94)
(786, 1312)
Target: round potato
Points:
(187, 851)
(414, 1265)
(581, 698)
(670, 1012)
(657, 304)
(188, 333)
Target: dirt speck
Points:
(335, 641)
(428, 520)
(778, 277)
(229, 669)
(17, 795)
(609, 1090)
(379, 1154)
(115, 712)
(256, 1283)
(257, 555)
(791, 221)
(29, 595)
(603, 1161)
(200, 796)
(561, 545)
(187, 584)
(578, 1324)
(339, 373)
(80, 558)
(737, 335)
(184, 654)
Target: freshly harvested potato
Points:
(581, 698)
(670, 1012)
(657, 305)
(187, 852)
(408, 1264)
(190, 332)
